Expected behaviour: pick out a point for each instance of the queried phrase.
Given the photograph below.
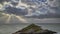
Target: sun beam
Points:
(1, 6)
(3, 17)
(9, 17)
(21, 19)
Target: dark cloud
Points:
(1, 1)
(16, 10)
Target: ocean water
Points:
(11, 28)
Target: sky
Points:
(40, 8)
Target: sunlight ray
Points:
(3, 17)
(21, 19)
(3, 13)
(0, 5)
(9, 17)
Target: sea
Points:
(11, 28)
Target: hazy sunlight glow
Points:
(21, 19)
(1, 6)
(9, 17)
(18, 17)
